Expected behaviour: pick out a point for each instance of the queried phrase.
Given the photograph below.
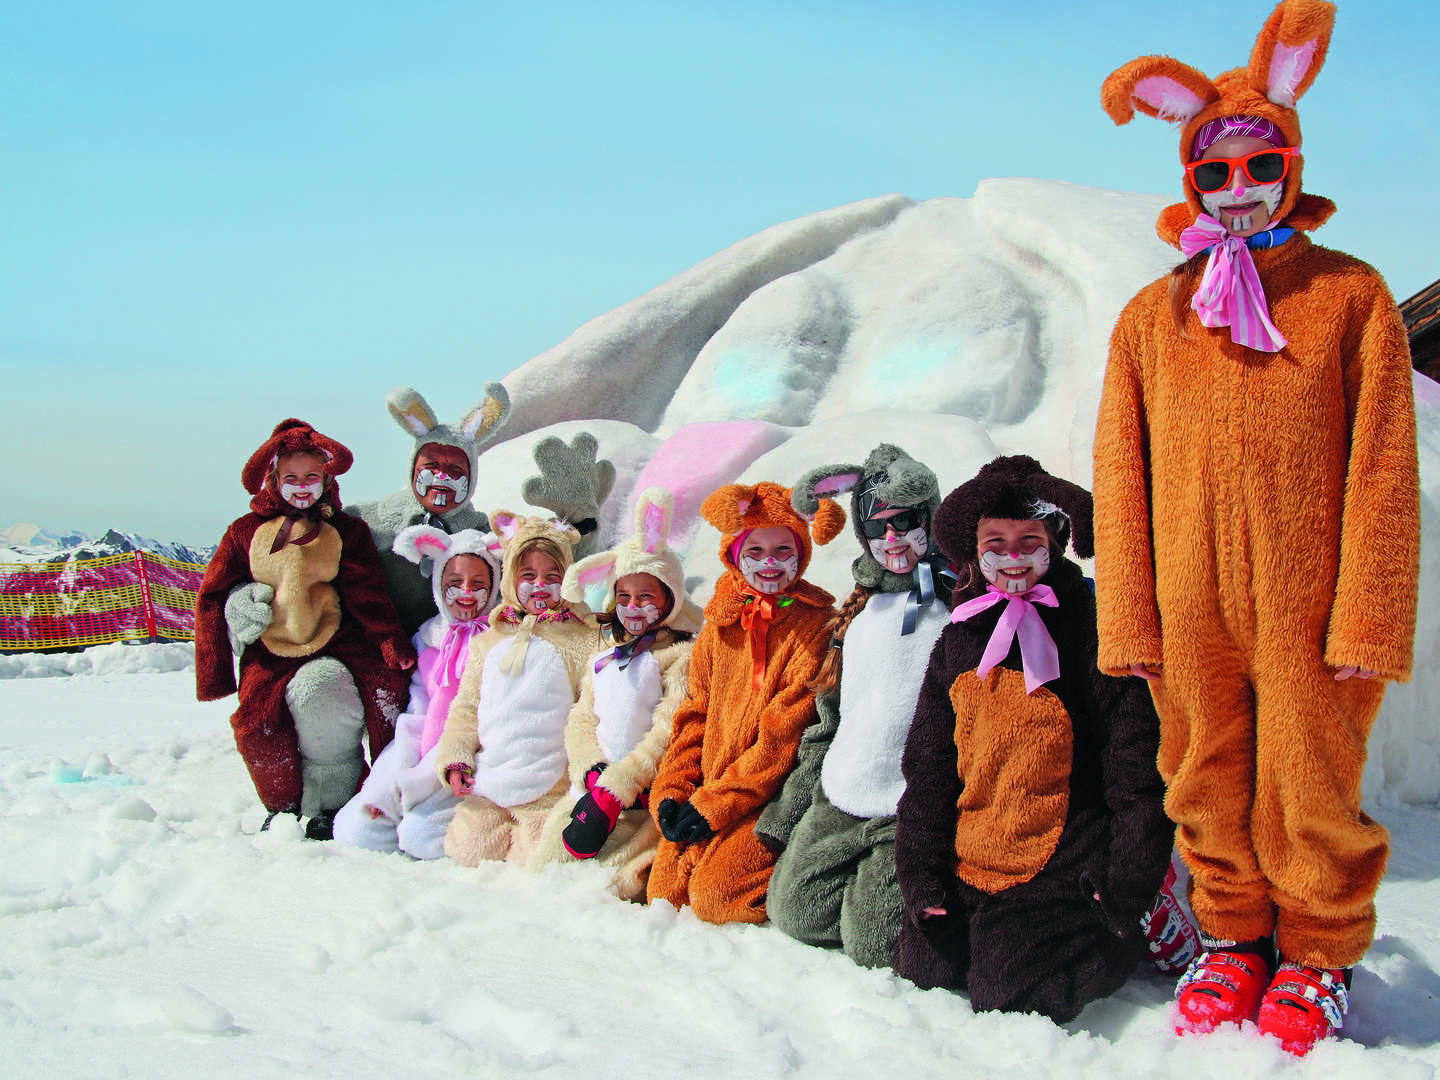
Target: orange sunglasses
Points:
(1261, 167)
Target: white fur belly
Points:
(521, 725)
(879, 682)
(625, 704)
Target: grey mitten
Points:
(248, 613)
(572, 484)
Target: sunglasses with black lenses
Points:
(1261, 167)
(910, 518)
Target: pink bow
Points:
(1039, 657)
(1230, 292)
(451, 664)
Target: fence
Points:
(131, 597)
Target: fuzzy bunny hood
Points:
(432, 549)
(736, 509)
(890, 476)
(1017, 478)
(647, 551)
(475, 430)
(518, 534)
(1286, 58)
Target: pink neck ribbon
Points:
(1230, 292)
(1039, 658)
(445, 677)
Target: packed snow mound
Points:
(116, 658)
(957, 328)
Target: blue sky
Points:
(220, 214)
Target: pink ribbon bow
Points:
(456, 642)
(1039, 657)
(1230, 292)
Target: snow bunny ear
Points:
(411, 411)
(482, 423)
(1158, 86)
(419, 543)
(1291, 48)
(826, 482)
(653, 512)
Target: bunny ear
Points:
(484, 421)
(725, 507)
(420, 542)
(411, 411)
(829, 520)
(653, 512)
(1158, 86)
(505, 523)
(1291, 48)
(826, 482)
(594, 570)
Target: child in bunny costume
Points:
(402, 805)
(735, 736)
(439, 482)
(1257, 536)
(330, 613)
(503, 747)
(835, 817)
(621, 725)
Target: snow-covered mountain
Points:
(31, 544)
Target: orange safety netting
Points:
(132, 597)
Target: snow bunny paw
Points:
(572, 483)
(248, 613)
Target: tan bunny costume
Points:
(1257, 528)
(506, 726)
(628, 698)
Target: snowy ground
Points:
(149, 931)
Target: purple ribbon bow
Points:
(1230, 292)
(1039, 657)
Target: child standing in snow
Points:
(402, 805)
(328, 602)
(735, 735)
(835, 817)
(503, 747)
(621, 725)
(1258, 515)
(1030, 840)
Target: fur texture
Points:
(1286, 58)
(1263, 512)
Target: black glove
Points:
(681, 823)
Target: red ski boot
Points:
(1168, 930)
(1219, 988)
(1303, 1006)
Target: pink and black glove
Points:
(593, 819)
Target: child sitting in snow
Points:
(735, 735)
(835, 818)
(329, 609)
(503, 747)
(1031, 839)
(621, 724)
(402, 805)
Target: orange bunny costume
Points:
(733, 743)
(1257, 528)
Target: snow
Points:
(151, 931)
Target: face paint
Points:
(301, 496)
(752, 568)
(465, 612)
(1267, 195)
(538, 593)
(899, 554)
(637, 619)
(427, 479)
(993, 565)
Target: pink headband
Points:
(1256, 127)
